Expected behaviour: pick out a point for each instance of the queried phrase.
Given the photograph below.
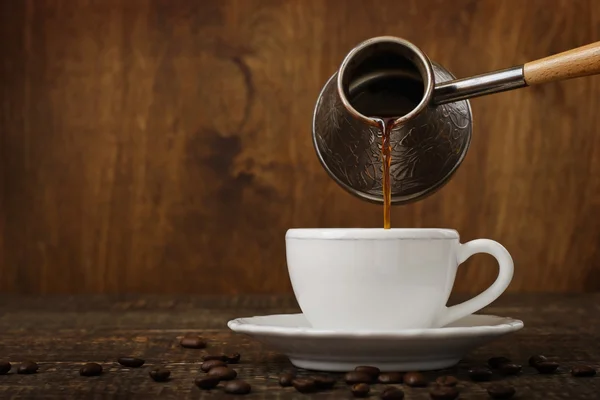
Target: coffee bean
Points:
(535, 360)
(497, 362)
(546, 367)
(237, 387)
(207, 383)
(580, 371)
(360, 390)
(4, 367)
(233, 358)
(28, 367)
(500, 391)
(479, 374)
(323, 382)
(447, 380)
(208, 365)
(286, 379)
(223, 373)
(510, 369)
(131, 362)
(358, 377)
(192, 342)
(91, 369)
(304, 385)
(415, 379)
(392, 393)
(373, 371)
(160, 374)
(220, 357)
(443, 393)
(391, 377)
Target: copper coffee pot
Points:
(431, 136)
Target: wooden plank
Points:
(62, 333)
(159, 146)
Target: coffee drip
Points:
(384, 98)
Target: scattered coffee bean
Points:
(392, 393)
(535, 360)
(323, 382)
(390, 377)
(160, 374)
(360, 390)
(237, 387)
(497, 362)
(415, 379)
(192, 342)
(207, 383)
(447, 380)
(499, 391)
(28, 367)
(233, 358)
(581, 371)
(286, 379)
(510, 369)
(220, 357)
(479, 374)
(223, 373)
(304, 385)
(131, 362)
(373, 371)
(4, 367)
(353, 377)
(91, 369)
(443, 393)
(208, 365)
(547, 367)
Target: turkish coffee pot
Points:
(389, 77)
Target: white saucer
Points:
(404, 350)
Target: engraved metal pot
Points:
(430, 142)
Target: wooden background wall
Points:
(165, 145)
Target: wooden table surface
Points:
(62, 333)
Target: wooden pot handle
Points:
(581, 61)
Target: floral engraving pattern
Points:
(425, 151)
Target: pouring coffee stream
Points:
(392, 127)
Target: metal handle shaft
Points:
(480, 85)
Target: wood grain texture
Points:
(61, 334)
(575, 63)
(164, 145)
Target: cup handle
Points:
(505, 274)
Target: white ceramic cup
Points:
(385, 279)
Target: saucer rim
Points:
(242, 325)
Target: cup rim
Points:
(371, 233)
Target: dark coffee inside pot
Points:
(384, 86)
(386, 94)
